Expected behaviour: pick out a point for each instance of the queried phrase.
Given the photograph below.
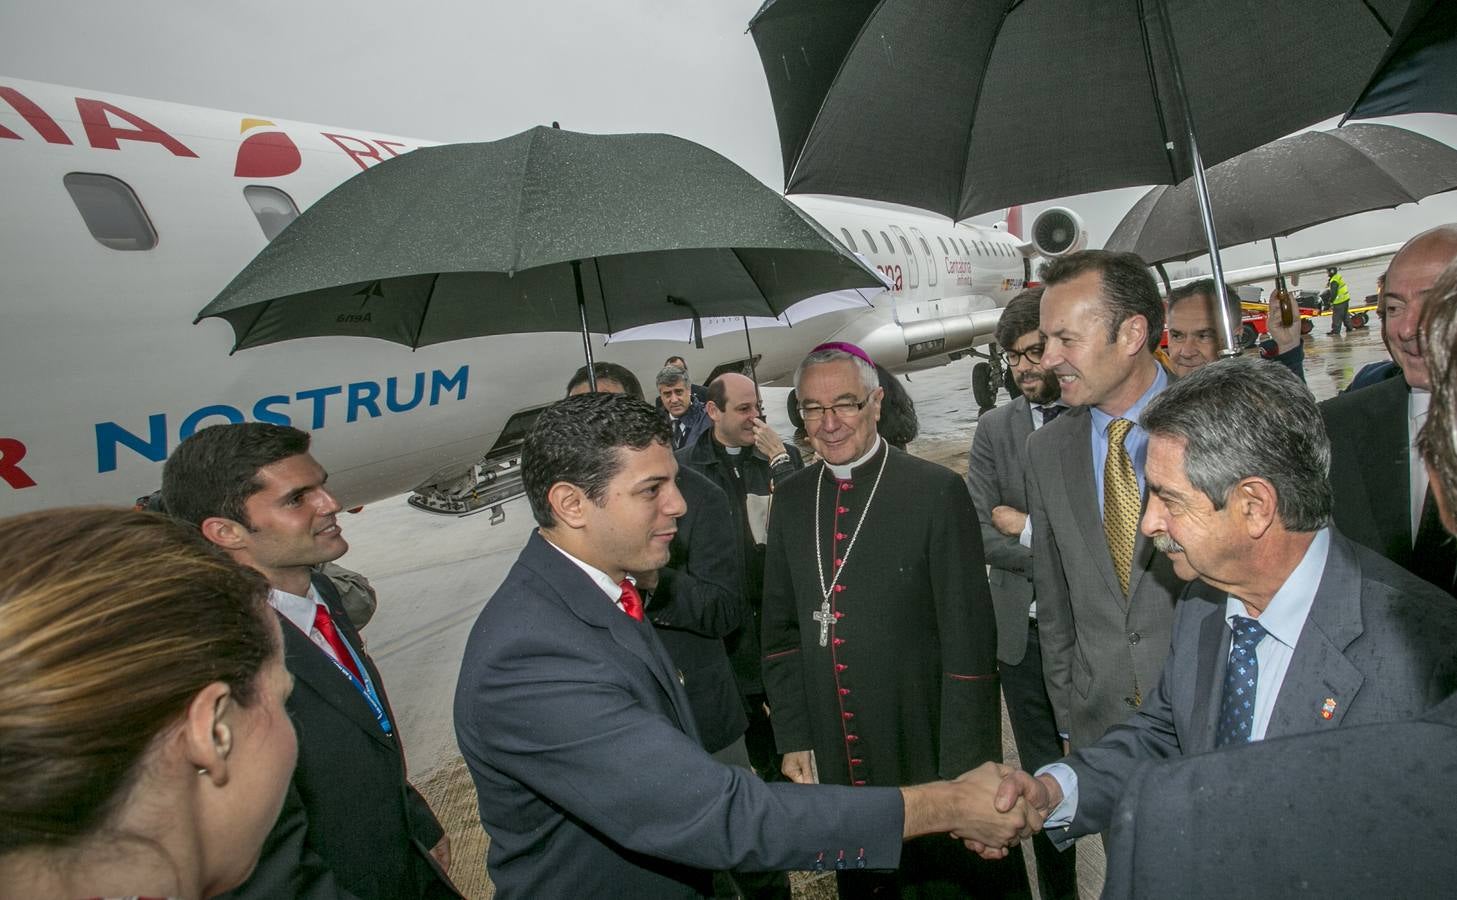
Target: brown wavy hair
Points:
(1438, 438)
(111, 621)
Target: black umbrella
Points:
(964, 107)
(1293, 183)
(547, 230)
(1419, 71)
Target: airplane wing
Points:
(1294, 268)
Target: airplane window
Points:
(271, 207)
(889, 247)
(944, 252)
(965, 249)
(111, 211)
(924, 246)
(849, 241)
(869, 241)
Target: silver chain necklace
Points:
(844, 557)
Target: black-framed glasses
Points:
(1032, 354)
(845, 409)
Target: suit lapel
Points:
(1213, 659)
(1388, 446)
(1321, 683)
(311, 666)
(1082, 494)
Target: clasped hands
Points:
(1001, 806)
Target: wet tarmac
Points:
(434, 574)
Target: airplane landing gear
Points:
(986, 379)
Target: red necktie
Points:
(631, 600)
(324, 625)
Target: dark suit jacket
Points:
(590, 776)
(698, 602)
(997, 476)
(1379, 644)
(1370, 472)
(695, 422)
(351, 825)
(1345, 815)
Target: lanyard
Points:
(366, 689)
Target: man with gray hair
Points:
(879, 638)
(1291, 627)
(685, 415)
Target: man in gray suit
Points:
(997, 479)
(1105, 600)
(1291, 628)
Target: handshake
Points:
(988, 809)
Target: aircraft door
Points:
(930, 257)
(913, 267)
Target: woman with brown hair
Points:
(144, 745)
(1438, 438)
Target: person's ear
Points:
(1257, 505)
(226, 533)
(568, 504)
(1133, 334)
(713, 411)
(208, 732)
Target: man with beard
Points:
(879, 637)
(997, 478)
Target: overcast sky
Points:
(481, 69)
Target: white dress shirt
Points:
(1025, 538)
(299, 611)
(612, 589)
(1417, 404)
(1283, 620)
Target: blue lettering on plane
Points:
(311, 406)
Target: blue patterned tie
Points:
(1237, 708)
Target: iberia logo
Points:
(265, 154)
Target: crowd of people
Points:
(715, 662)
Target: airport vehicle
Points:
(125, 216)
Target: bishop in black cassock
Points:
(892, 678)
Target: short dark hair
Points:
(671, 375)
(576, 440)
(1128, 288)
(1022, 315)
(675, 361)
(1204, 287)
(898, 422)
(718, 392)
(1242, 418)
(611, 372)
(214, 472)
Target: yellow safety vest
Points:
(1339, 293)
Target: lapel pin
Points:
(1328, 708)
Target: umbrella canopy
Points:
(687, 330)
(1288, 185)
(1419, 71)
(548, 230)
(975, 106)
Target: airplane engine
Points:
(1059, 231)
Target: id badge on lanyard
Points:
(366, 688)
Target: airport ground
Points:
(434, 573)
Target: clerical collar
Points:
(732, 451)
(843, 473)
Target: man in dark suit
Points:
(686, 415)
(996, 476)
(351, 826)
(577, 732)
(697, 392)
(1290, 629)
(1105, 599)
(1382, 498)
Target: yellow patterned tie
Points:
(1120, 501)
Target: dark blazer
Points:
(588, 769)
(695, 422)
(1370, 472)
(697, 603)
(1347, 815)
(997, 476)
(1378, 646)
(351, 825)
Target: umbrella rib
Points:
(959, 201)
(262, 309)
(429, 297)
(1153, 86)
(602, 292)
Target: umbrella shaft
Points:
(586, 335)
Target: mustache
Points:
(1167, 544)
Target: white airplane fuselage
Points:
(105, 372)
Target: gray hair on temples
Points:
(1249, 418)
(868, 379)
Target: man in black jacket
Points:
(745, 458)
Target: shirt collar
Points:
(299, 611)
(600, 578)
(844, 472)
(1102, 420)
(1418, 403)
(1285, 617)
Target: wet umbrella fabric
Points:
(966, 107)
(1419, 71)
(464, 240)
(1288, 185)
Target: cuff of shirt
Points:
(1025, 538)
(1062, 814)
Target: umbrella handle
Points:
(697, 322)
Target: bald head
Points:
(733, 405)
(1408, 281)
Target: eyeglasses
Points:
(1032, 354)
(845, 409)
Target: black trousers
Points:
(1035, 730)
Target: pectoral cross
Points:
(824, 617)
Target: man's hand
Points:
(799, 767)
(766, 440)
(1008, 520)
(966, 809)
(441, 852)
(1286, 336)
(1018, 795)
